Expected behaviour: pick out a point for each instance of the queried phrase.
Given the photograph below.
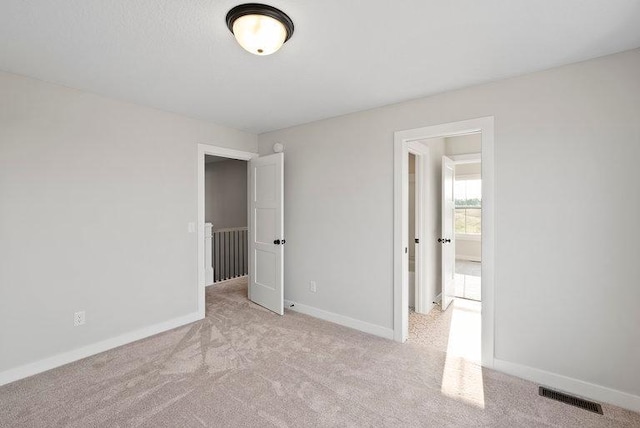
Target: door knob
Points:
(276, 242)
(446, 241)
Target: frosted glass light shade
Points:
(259, 28)
(259, 34)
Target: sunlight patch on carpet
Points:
(462, 375)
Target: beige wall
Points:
(463, 144)
(96, 196)
(567, 141)
(467, 249)
(469, 169)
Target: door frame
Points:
(484, 125)
(223, 152)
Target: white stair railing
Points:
(208, 253)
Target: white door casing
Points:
(485, 126)
(203, 151)
(447, 235)
(266, 236)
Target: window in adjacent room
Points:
(468, 196)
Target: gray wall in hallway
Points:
(226, 193)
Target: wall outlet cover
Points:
(79, 318)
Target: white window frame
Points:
(469, 236)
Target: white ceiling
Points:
(345, 55)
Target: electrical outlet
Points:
(312, 286)
(78, 318)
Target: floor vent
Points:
(570, 399)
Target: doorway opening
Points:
(451, 320)
(218, 169)
(229, 255)
(226, 214)
(468, 218)
(443, 256)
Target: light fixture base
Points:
(260, 9)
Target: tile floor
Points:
(468, 279)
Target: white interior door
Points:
(423, 296)
(447, 237)
(266, 242)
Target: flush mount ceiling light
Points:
(259, 28)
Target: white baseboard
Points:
(469, 258)
(374, 329)
(570, 385)
(58, 360)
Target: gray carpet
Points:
(243, 366)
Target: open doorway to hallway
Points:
(265, 230)
(450, 193)
(226, 225)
